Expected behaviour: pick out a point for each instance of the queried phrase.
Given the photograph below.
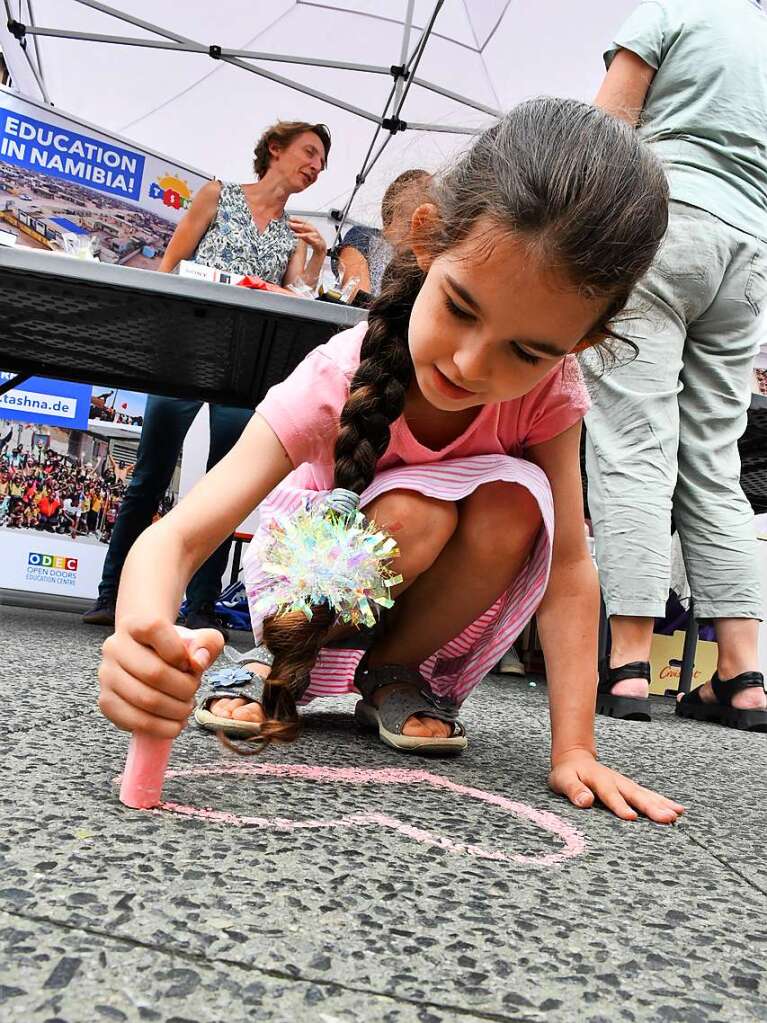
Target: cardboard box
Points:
(666, 663)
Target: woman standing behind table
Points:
(243, 229)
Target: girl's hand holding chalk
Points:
(150, 672)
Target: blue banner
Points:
(62, 153)
(53, 402)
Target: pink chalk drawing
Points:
(573, 843)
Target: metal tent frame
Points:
(389, 122)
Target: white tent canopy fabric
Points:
(472, 59)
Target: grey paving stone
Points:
(123, 914)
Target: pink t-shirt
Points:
(304, 412)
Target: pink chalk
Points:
(572, 840)
(144, 774)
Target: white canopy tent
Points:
(199, 81)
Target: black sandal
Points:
(722, 712)
(627, 708)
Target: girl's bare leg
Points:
(497, 526)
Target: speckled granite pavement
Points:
(112, 915)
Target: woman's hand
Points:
(582, 779)
(150, 672)
(308, 233)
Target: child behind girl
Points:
(455, 413)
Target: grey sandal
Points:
(413, 697)
(235, 682)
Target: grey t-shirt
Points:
(706, 109)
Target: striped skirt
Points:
(456, 668)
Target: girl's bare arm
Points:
(568, 623)
(568, 618)
(149, 673)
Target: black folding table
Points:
(101, 324)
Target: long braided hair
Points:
(586, 194)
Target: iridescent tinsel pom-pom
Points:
(327, 553)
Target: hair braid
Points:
(378, 390)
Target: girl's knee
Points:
(421, 526)
(500, 516)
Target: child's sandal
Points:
(722, 712)
(229, 683)
(414, 697)
(627, 708)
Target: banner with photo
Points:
(67, 450)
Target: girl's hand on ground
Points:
(149, 674)
(582, 779)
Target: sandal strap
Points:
(259, 653)
(725, 689)
(415, 697)
(609, 676)
(367, 680)
(401, 704)
(231, 682)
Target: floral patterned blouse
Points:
(233, 241)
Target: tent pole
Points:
(449, 129)
(282, 58)
(415, 59)
(100, 37)
(406, 29)
(192, 47)
(235, 61)
(464, 100)
(37, 50)
(410, 66)
(23, 44)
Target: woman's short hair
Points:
(283, 133)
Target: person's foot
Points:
(634, 688)
(240, 708)
(419, 725)
(102, 612)
(205, 617)
(753, 698)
